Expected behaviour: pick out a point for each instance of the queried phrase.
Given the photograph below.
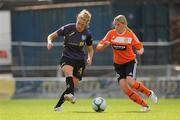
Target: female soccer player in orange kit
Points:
(122, 39)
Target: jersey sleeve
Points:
(63, 30)
(89, 40)
(106, 38)
(135, 42)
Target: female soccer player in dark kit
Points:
(73, 59)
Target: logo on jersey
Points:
(83, 37)
(122, 40)
(72, 33)
(119, 47)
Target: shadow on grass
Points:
(87, 112)
(107, 112)
(134, 112)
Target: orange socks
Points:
(136, 98)
(141, 88)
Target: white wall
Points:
(5, 38)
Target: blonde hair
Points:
(85, 15)
(121, 19)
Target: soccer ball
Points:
(99, 104)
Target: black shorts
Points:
(127, 69)
(78, 66)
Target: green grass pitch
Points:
(117, 109)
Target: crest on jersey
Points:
(83, 37)
(81, 43)
(80, 71)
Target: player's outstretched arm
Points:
(101, 46)
(50, 39)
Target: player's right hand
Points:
(107, 43)
(50, 45)
(101, 46)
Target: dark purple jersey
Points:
(74, 41)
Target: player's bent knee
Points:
(131, 81)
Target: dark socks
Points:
(61, 100)
(69, 89)
(70, 85)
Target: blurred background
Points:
(29, 70)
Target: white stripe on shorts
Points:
(134, 70)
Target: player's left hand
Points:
(50, 45)
(140, 52)
(89, 61)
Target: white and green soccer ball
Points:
(99, 104)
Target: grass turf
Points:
(117, 109)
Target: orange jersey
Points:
(122, 45)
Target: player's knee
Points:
(131, 81)
(68, 70)
(68, 73)
(124, 86)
